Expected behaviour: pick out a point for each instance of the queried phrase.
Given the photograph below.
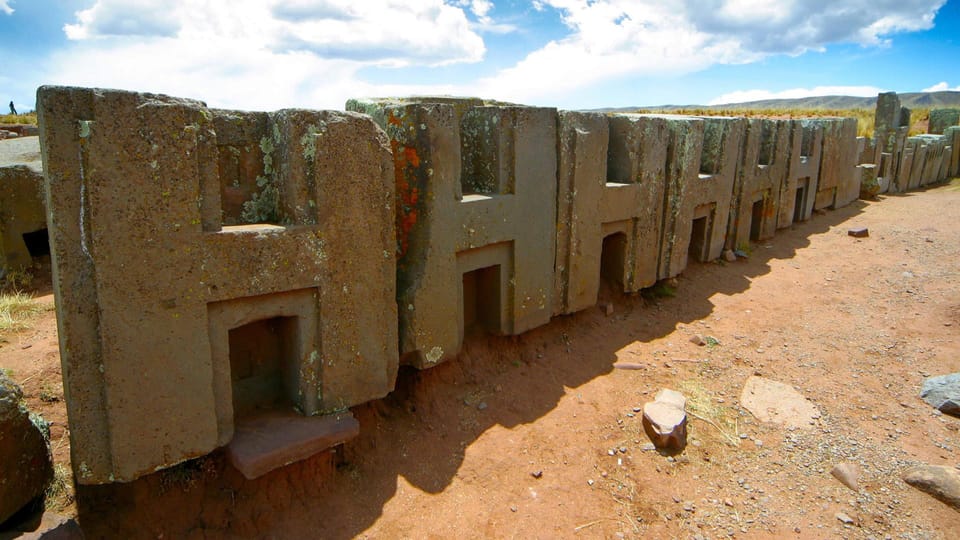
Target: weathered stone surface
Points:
(22, 205)
(772, 401)
(25, 464)
(665, 425)
(939, 481)
(172, 320)
(848, 474)
(869, 183)
(839, 183)
(943, 393)
(671, 397)
(477, 206)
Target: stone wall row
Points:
(211, 265)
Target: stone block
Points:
(797, 192)
(606, 216)
(704, 217)
(839, 182)
(25, 464)
(869, 184)
(764, 169)
(23, 216)
(212, 263)
(476, 218)
(952, 136)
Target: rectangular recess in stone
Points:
(138, 243)
(474, 180)
(700, 231)
(242, 164)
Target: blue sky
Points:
(269, 54)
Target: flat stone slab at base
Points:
(273, 439)
(772, 401)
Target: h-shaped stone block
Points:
(208, 263)
(476, 219)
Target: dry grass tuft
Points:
(701, 406)
(16, 310)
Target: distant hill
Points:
(932, 100)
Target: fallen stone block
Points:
(25, 465)
(859, 232)
(665, 421)
(943, 393)
(772, 401)
(939, 481)
(665, 425)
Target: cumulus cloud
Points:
(315, 53)
(743, 96)
(942, 86)
(5, 7)
(388, 32)
(617, 38)
(262, 53)
(795, 26)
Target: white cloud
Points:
(941, 87)
(258, 54)
(742, 96)
(385, 32)
(5, 7)
(262, 54)
(617, 38)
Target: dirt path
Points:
(853, 324)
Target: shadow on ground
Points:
(421, 431)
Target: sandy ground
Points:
(537, 436)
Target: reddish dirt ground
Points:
(853, 324)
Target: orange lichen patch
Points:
(411, 156)
(406, 161)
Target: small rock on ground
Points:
(936, 480)
(943, 393)
(848, 474)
